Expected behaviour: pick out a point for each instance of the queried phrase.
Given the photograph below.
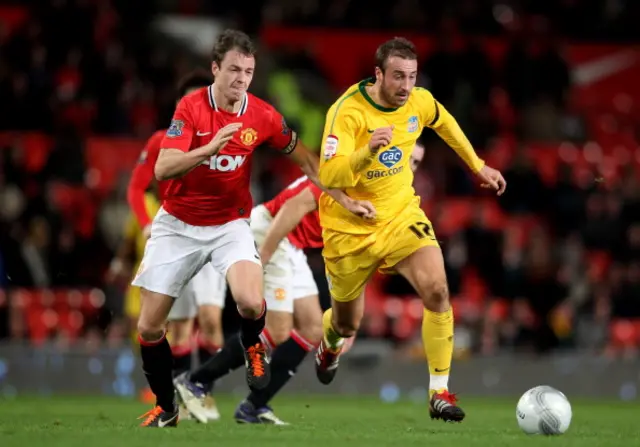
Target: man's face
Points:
(397, 80)
(416, 157)
(234, 74)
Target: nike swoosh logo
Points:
(370, 130)
(162, 423)
(202, 134)
(441, 370)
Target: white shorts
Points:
(287, 276)
(207, 288)
(176, 251)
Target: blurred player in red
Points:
(206, 156)
(205, 294)
(283, 227)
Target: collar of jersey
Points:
(214, 106)
(363, 91)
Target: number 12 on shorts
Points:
(422, 230)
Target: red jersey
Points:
(142, 177)
(217, 191)
(308, 233)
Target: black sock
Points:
(286, 357)
(181, 362)
(157, 364)
(251, 329)
(204, 355)
(230, 357)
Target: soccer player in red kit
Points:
(206, 155)
(283, 227)
(204, 296)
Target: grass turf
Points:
(317, 421)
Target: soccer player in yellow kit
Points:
(368, 136)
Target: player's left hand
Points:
(492, 179)
(362, 208)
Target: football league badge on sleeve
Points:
(330, 147)
(413, 124)
(175, 129)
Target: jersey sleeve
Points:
(281, 136)
(142, 177)
(435, 116)
(340, 132)
(180, 131)
(429, 108)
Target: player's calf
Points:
(245, 282)
(157, 361)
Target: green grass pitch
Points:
(317, 421)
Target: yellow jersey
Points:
(387, 181)
(132, 230)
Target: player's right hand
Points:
(492, 179)
(380, 138)
(222, 137)
(363, 208)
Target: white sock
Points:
(438, 382)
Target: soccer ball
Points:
(543, 410)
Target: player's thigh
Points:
(172, 256)
(179, 332)
(425, 271)
(408, 233)
(235, 255)
(154, 308)
(349, 264)
(307, 318)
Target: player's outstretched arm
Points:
(173, 163)
(120, 264)
(141, 178)
(311, 161)
(447, 128)
(289, 216)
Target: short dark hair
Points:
(231, 39)
(195, 79)
(399, 47)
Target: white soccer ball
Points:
(543, 410)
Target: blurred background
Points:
(546, 91)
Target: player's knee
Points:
(250, 305)
(435, 295)
(312, 331)
(346, 328)
(149, 331)
(180, 331)
(279, 333)
(208, 326)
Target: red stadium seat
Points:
(623, 333)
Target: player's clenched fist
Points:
(222, 137)
(380, 138)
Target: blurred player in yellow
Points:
(131, 249)
(369, 136)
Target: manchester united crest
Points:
(248, 136)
